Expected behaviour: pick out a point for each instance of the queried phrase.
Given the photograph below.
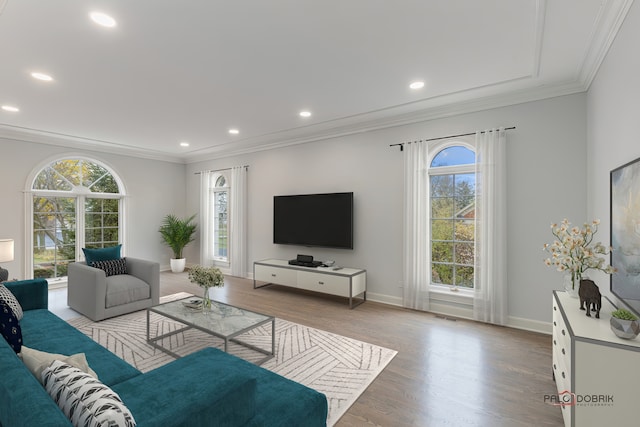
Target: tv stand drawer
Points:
(327, 284)
(279, 276)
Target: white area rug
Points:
(340, 367)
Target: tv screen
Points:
(322, 220)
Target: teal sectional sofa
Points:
(206, 388)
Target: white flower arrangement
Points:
(574, 252)
(206, 277)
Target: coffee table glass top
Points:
(222, 319)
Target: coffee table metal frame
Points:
(229, 337)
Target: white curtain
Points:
(206, 233)
(238, 221)
(416, 227)
(490, 293)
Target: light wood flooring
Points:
(447, 372)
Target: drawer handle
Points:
(563, 332)
(563, 351)
(555, 367)
(554, 342)
(554, 323)
(555, 308)
(563, 376)
(273, 274)
(320, 283)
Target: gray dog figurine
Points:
(590, 293)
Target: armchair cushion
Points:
(111, 267)
(101, 254)
(125, 288)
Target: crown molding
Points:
(70, 141)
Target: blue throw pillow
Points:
(10, 328)
(101, 254)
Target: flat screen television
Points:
(625, 234)
(320, 220)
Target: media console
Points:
(346, 282)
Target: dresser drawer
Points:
(328, 284)
(279, 276)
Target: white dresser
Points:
(597, 374)
(345, 282)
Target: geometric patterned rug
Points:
(340, 367)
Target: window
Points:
(220, 217)
(75, 203)
(452, 184)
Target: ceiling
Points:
(172, 72)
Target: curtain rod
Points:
(401, 144)
(220, 170)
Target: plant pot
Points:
(626, 329)
(178, 265)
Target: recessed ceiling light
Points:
(42, 76)
(417, 85)
(10, 108)
(305, 113)
(184, 144)
(103, 19)
(234, 131)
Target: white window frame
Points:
(434, 150)
(80, 194)
(219, 261)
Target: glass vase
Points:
(571, 285)
(206, 300)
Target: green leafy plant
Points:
(177, 233)
(624, 314)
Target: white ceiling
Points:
(175, 71)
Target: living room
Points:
(559, 156)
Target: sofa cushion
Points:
(84, 399)
(111, 267)
(7, 296)
(9, 327)
(36, 361)
(43, 330)
(101, 254)
(125, 288)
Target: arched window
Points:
(220, 216)
(75, 203)
(452, 181)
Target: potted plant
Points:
(177, 233)
(624, 324)
(206, 277)
(574, 252)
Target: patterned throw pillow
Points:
(11, 301)
(10, 328)
(84, 400)
(112, 267)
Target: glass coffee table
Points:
(222, 320)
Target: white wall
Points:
(547, 182)
(154, 188)
(613, 121)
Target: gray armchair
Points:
(93, 294)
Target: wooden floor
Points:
(446, 373)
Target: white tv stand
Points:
(344, 282)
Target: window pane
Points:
(442, 186)
(464, 230)
(442, 274)
(101, 222)
(442, 230)
(442, 251)
(220, 243)
(442, 207)
(464, 277)
(54, 235)
(464, 253)
(452, 156)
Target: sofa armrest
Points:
(31, 294)
(86, 289)
(193, 391)
(147, 271)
